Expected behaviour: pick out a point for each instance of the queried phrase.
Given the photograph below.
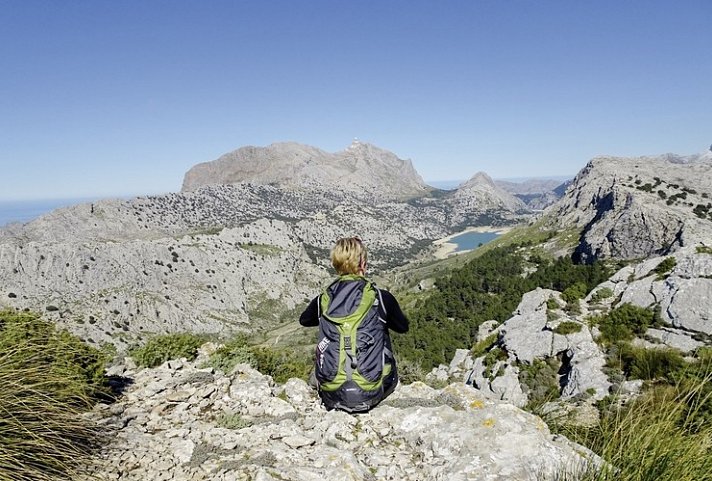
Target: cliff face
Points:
(362, 169)
(631, 208)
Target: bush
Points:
(48, 379)
(568, 327)
(574, 307)
(166, 347)
(600, 294)
(656, 437)
(495, 355)
(482, 346)
(625, 322)
(282, 364)
(664, 267)
(409, 371)
(234, 352)
(60, 353)
(575, 292)
(647, 364)
(232, 421)
(540, 381)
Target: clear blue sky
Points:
(122, 97)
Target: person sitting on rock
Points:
(354, 366)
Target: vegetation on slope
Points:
(663, 435)
(487, 287)
(48, 378)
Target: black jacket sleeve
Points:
(395, 319)
(310, 316)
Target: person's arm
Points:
(395, 319)
(310, 316)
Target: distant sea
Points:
(27, 210)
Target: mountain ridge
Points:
(361, 168)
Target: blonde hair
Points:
(348, 255)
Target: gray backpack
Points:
(355, 367)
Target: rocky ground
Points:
(183, 422)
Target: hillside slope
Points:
(629, 208)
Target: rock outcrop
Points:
(530, 336)
(118, 292)
(631, 208)
(180, 422)
(535, 344)
(362, 169)
(682, 294)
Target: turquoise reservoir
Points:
(472, 240)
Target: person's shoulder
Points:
(386, 295)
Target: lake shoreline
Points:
(444, 248)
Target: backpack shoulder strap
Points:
(380, 301)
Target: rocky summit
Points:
(183, 422)
(362, 168)
(631, 208)
(480, 190)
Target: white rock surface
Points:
(418, 433)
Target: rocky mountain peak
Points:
(640, 206)
(480, 178)
(481, 190)
(361, 168)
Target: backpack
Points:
(355, 367)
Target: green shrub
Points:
(647, 364)
(540, 381)
(483, 346)
(60, 353)
(664, 267)
(165, 347)
(282, 364)
(625, 322)
(600, 294)
(232, 421)
(409, 371)
(234, 352)
(575, 292)
(552, 304)
(48, 378)
(568, 327)
(655, 437)
(704, 249)
(574, 307)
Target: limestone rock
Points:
(451, 433)
(631, 208)
(524, 334)
(682, 293)
(361, 168)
